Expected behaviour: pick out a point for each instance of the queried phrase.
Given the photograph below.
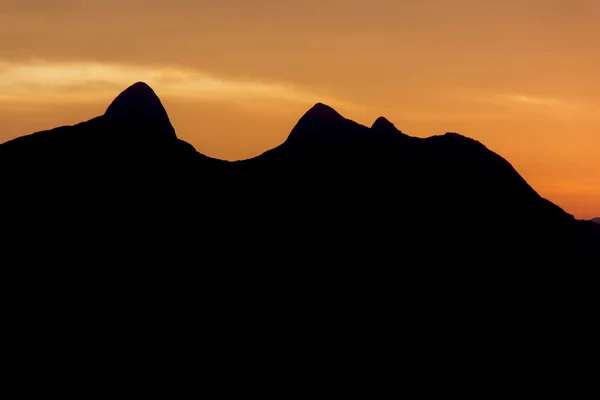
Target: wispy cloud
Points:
(67, 82)
(538, 101)
(551, 106)
(527, 100)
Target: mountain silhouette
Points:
(597, 220)
(334, 191)
(381, 124)
(138, 106)
(322, 126)
(342, 234)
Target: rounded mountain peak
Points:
(139, 106)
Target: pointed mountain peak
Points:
(321, 122)
(139, 106)
(383, 123)
(322, 111)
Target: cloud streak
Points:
(41, 81)
(538, 101)
(527, 102)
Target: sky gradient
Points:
(236, 75)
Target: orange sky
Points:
(235, 75)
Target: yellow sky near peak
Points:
(518, 75)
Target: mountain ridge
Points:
(340, 220)
(346, 183)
